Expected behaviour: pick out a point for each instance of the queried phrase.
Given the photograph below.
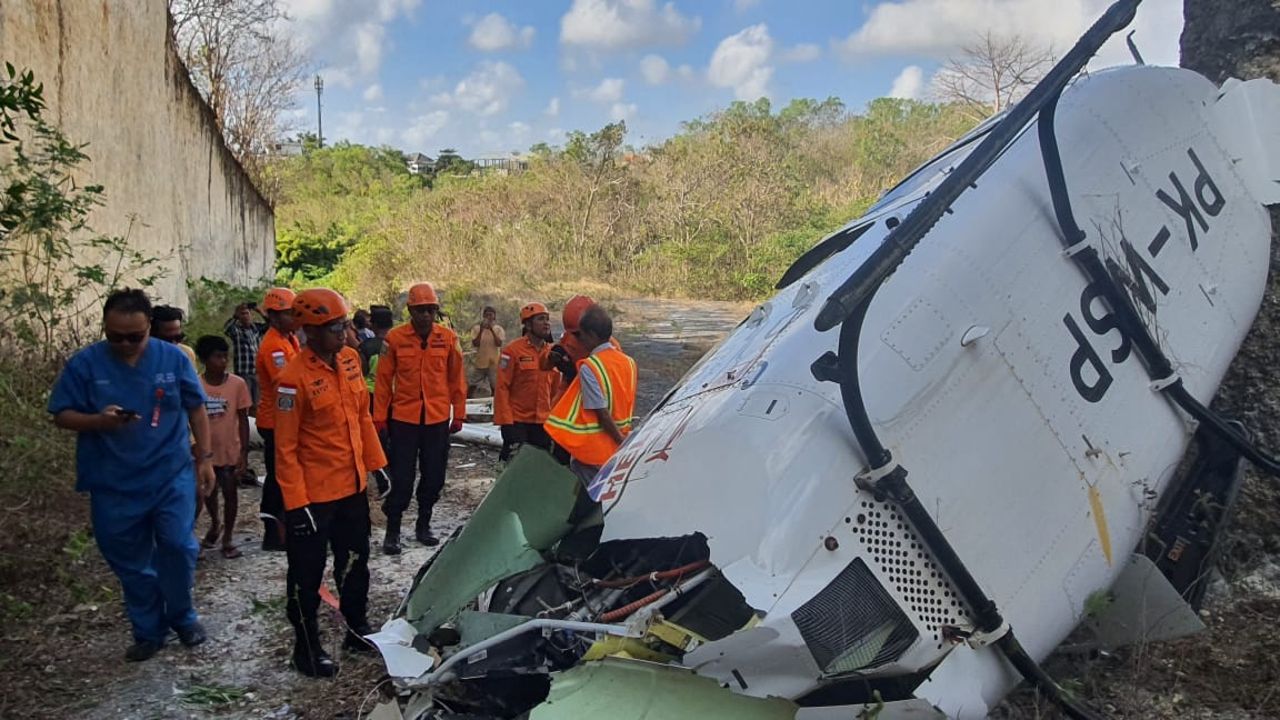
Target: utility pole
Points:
(319, 111)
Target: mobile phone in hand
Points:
(127, 414)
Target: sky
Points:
(490, 78)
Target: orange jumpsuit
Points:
(325, 445)
(418, 388)
(522, 395)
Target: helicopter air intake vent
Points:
(905, 562)
(853, 624)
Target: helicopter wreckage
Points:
(896, 486)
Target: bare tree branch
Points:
(992, 73)
(245, 68)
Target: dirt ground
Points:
(70, 664)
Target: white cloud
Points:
(518, 133)
(937, 28)
(553, 107)
(622, 111)
(685, 72)
(486, 91)
(424, 128)
(348, 39)
(621, 24)
(741, 62)
(802, 53)
(742, 6)
(909, 83)
(494, 32)
(373, 93)
(655, 69)
(608, 91)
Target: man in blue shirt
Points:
(135, 402)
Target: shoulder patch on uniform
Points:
(277, 358)
(285, 398)
(504, 361)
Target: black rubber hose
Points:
(1031, 671)
(899, 244)
(855, 409)
(895, 488)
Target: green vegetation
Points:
(718, 211)
(330, 200)
(54, 270)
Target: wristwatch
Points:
(204, 456)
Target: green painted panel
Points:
(629, 690)
(526, 512)
(475, 627)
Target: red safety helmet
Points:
(279, 299)
(318, 306)
(573, 311)
(423, 294)
(532, 309)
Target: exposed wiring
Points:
(654, 577)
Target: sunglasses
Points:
(338, 327)
(124, 338)
(423, 309)
(175, 339)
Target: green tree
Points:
(331, 199)
(54, 269)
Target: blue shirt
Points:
(148, 453)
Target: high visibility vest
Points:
(578, 430)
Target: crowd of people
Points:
(343, 399)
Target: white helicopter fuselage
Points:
(995, 375)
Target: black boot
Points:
(391, 541)
(422, 531)
(355, 641)
(272, 536)
(309, 657)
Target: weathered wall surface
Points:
(113, 79)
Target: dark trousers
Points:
(416, 449)
(272, 498)
(521, 432)
(343, 526)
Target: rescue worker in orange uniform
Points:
(325, 446)
(419, 399)
(277, 348)
(593, 417)
(522, 393)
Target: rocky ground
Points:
(69, 663)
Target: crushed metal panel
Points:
(525, 513)
(628, 690)
(1144, 608)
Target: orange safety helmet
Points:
(532, 309)
(318, 306)
(279, 299)
(573, 311)
(423, 294)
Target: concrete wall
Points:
(113, 79)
